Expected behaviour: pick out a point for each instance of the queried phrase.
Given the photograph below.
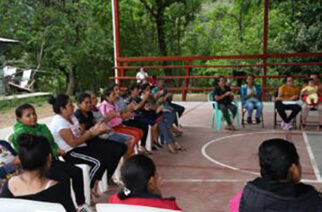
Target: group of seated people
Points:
(277, 189)
(40, 164)
(289, 97)
(41, 161)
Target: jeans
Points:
(165, 128)
(251, 105)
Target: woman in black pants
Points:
(224, 96)
(86, 120)
(75, 142)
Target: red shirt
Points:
(149, 202)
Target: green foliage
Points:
(77, 40)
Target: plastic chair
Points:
(103, 185)
(18, 205)
(105, 207)
(217, 114)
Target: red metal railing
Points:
(121, 63)
(124, 61)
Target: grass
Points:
(6, 105)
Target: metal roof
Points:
(5, 40)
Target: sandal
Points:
(157, 144)
(171, 149)
(179, 147)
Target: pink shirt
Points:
(105, 108)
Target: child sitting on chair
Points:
(312, 93)
(9, 162)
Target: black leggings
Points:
(62, 171)
(112, 152)
(281, 108)
(140, 125)
(90, 156)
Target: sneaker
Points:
(258, 120)
(283, 125)
(84, 208)
(249, 120)
(287, 126)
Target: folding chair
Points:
(217, 114)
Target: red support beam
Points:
(245, 56)
(214, 77)
(264, 82)
(221, 66)
(186, 81)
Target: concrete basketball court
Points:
(216, 165)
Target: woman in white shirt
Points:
(73, 140)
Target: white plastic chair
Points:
(178, 120)
(103, 186)
(18, 205)
(148, 144)
(105, 207)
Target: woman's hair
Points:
(285, 78)
(61, 100)
(112, 86)
(33, 152)
(144, 87)
(136, 173)
(82, 96)
(276, 156)
(21, 108)
(91, 93)
(106, 93)
(132, 87)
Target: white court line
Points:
(312, 158)
(204, 153)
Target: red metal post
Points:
(116, 35)
(186, 82)
(264, 82)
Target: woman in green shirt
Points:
(60, 171)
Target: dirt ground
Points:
(8, 117)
